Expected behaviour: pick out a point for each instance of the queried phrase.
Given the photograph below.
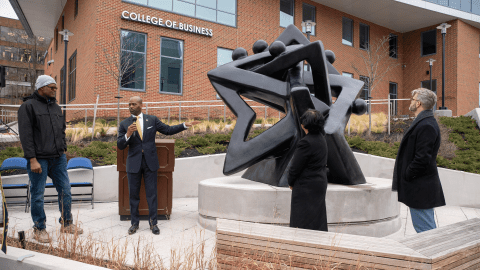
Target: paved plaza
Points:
(182, 231)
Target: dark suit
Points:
(142, 160)
(415, 175)
(308, 177)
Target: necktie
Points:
(139, 128)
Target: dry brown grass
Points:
(447, 148)
(359, 123)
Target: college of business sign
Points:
(132, 16)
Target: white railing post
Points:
(146, 108)
(94, 116)
(388, 119)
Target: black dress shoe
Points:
(133, 229)
(155, 229)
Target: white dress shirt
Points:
(140, 118)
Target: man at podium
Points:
(138, 132)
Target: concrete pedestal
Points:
(440, 113)
(370, 209)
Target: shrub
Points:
(211, 149)
(11, 152)
(198, 141)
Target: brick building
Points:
(23, 58)
(170, 45)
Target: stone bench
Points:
(254, 245)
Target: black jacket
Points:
(41, 125)
(151, 125)
(415, 175)
(308, 177)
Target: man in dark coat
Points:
(415, 176)
(138, 132)
(42, 127)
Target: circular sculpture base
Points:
(369, 209)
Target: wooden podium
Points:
(166, 160)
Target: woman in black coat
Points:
(307, 176)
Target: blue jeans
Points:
(423, 219)
(56, 169)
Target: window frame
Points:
(396, 46)
(194, 17)
(352, 29)
(293, 11)
(72, 73)
(421, 42)
(434, 82)
(75, 9)
(396, 97)
(181, 70)
(222, 48)
(360, 36)
(144, 62)
(314, 18)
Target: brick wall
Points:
(98, 23)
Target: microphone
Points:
(134, 121)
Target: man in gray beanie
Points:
(42, 134)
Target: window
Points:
(221, 11)
(171, 66)
(63, 26)
(223, 56)
(365, 90)
(76, 8)
(134, 46)
(347, 31)
(308, 14)
(393, 95)
(426, 84)
(346, 74)
(72, 76)
(56, 39)
(364, 36)
(286, 12)
(429, 42)
(393, 46)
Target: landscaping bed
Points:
(459, 150)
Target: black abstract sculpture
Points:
(275, 77)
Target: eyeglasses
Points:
(53, 88)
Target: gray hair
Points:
(426, 97)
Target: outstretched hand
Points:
(192, 123)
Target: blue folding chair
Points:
(77, 163)
(82, 163)
(17, 163)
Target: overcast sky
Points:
(6, 10)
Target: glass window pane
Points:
(364, 36)
(134, 66)
(225, 18)
(429, 42)
(346, 74)
(476, 7)
(223, 56)
(443, 2)
(308, 14)
(133, 41)
(454, 4)
(286, 12)
(162, 4)
(392, 42)
(184, 8)
(347, 31)
(170, 75)
(208, 3)
(466, 5)
(142, 2)
(206, 13)
(227, 6)
(172, 48)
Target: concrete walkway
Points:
(103, 225)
